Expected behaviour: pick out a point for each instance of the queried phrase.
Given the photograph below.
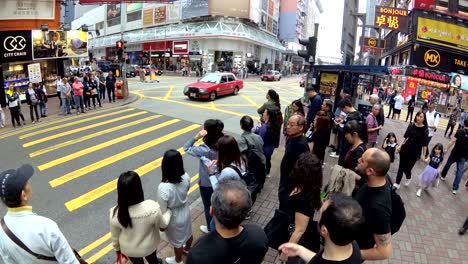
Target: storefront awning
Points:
(212, 29)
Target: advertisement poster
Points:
(464, 102)
(459, 81)
(275, 27)
(194, 8)
(148, 17)
(27, 9)
(34, 73)
(255, 11)
(264, 5)
(160, 15)
(328, 84)
(411, 86)
(271, 7)
(270, 24)
(113, 14)
(59, 44)
(444, 34)
(173, 12)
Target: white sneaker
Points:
(172, 260)
(418, 193)
(334, 155)
(268, 176)
(454, 192)
(396, 185)
(407, 182)
(204, 229)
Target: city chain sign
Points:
(15, 46)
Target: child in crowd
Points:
(390, 144)
(430, 174)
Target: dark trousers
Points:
(96, 97)
(407, 161)
(284, 190)
(427, 147)
(31, 108)
(102, 93)
(151, 259)
(87, 100)
(268, 163)
(465, 225)
(205, 193)
(14, 113)
(109, 92)
(392, 106)
(451, 127)
(410, 113)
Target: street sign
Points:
(369, 42)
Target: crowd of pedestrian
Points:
(80, 93)
(310, 225)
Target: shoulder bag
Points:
(38, 256)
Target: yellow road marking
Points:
(95, 244)
(201, 106)
(91, 136)
(124, 154)
(233, 104)
(106, 144)
(248, 99)
(43, 124)
(100, 254)
(193, 188)
(212, 105)
(67, 124)
(108, 236)
(264, 91)
(168, 94)
(80, 129)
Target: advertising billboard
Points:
(27, 9)
(15, 46)
(113, 14)
(459, 81)
(194, 8)
(443, 34)
(328, 83)
(391, 18)
(238, 8)
(440, 60)
(160, 15)
(59, 44)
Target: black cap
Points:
(12, 182)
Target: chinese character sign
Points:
(391, 18)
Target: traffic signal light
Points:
(120, 47)
(311, 46)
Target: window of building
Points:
(113, 22)
(134, 16)
(100, 25)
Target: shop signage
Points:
(428, 74)
(373, 42)
(438, 59)
(15, 46)
(27, 9)
(391, 18)
(180, 47)
(459, 81)
(442, 33)
(397, 70)
(328, 83)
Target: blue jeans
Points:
(205, 193)
(459, 172)
(65, 105)
(43, 107)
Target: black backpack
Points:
(398, 209)
(249, 179)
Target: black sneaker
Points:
(462, 231)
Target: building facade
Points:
(199, 33)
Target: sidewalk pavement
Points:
(429, 233)
(54, 111)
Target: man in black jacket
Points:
(297, 144)
(110, 85)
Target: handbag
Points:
(38, 256)
(279, 229)
(122, 259)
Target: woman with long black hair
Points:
(135, 222)
(172, 195)
(270, 131)
(272, 101)
(410, 150)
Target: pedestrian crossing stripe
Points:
(65, 123)
(124, 154)
(91, 136)
(48, 123)
(80, 129)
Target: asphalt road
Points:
(78, 159)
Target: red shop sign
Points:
(180, 47)
(430, 75)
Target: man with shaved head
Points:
(375, 240)
(296, 145)
(231, 242)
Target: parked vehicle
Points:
(213, 85)
(271, 76)
(131, 71)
